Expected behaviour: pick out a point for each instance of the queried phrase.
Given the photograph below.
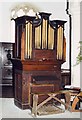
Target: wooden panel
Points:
(25, 89)
(42, 88)
(65, 78)
(40, 67)
(46, 54)
(18, 87)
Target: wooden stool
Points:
(51, 95)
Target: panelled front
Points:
(44, 83)
(18, 85)
(21, 98)
(41, 67)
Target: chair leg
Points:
(76, 100)
(35, 102)
(67, 99)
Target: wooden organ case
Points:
(39, 51)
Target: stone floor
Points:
(9, 110)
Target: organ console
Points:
(39, 52)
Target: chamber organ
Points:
(39, 52)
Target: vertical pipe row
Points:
(28, 42)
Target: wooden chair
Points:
(75, 101)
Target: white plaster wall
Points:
(75, 11)
(5, 22)
(57, 8)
